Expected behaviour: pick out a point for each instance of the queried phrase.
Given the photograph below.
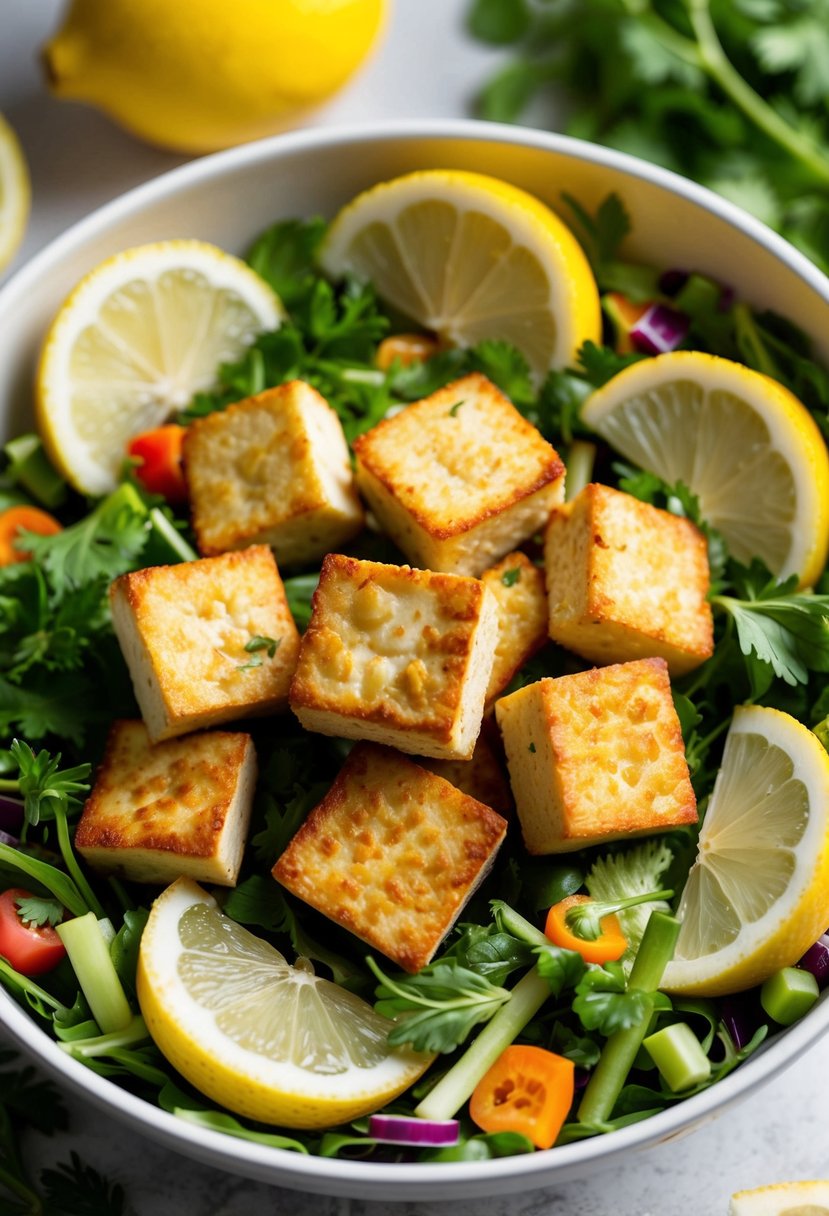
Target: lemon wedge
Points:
(741, 442)
(263, 1038)
(15, 193)
(783, 1199)
(757, 895)
(471, 258)
(136, 339)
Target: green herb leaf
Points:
(603, 1001)
(44, 786)
(37, 910)
(510, 577)
(438, 1007)
(562, 969)
(75, 1189)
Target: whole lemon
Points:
(196, 75)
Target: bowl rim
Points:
(382, 1179)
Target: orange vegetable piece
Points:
(160, 470)
(610, 945)
(406, 349)
(23, 519)
(527, 1090)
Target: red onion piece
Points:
(672, 281)
(418, 1133)
(816, 960)
(5, 838)
(659, 330)
(11, 814)
(743, 1016)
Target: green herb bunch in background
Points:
(731, 93)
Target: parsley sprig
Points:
(46, 788)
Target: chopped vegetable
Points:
(17, 520)
(90, 959)
(606, 1082)
(405, 349)
(30, 944)
(788, 994)
(418, 1133)
(816, 960)
(676, 1052)
(600, 943)
(659, 330)
(527, 1090)
(158, 461)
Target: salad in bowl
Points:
(414, 679)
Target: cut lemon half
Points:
(471, 257)
(136, 339)
(757, 895)
(783, 1199)
(263, 1038)
(741, 442)
(15, 193)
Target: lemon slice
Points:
(783, 1199)
(741, 442)
(757, 895)
(470, 257)
(136, 339)
(266, 1040)
(15, 193)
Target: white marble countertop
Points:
(426, 68)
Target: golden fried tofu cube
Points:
(518, 586)
(626, 581)
(397, 656)
(483, 777)
(161, 810)
(392, 853)
(207, 641)
(596, 756)
(273, 469)
(460, 478)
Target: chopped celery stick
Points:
(788, 994)
(89, 956)
(608, 1078)
(107, 930)
(166, 544)
(677, 1054)
(131, 1035)
(29, 466)
(580, 461)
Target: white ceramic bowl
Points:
(227, 199)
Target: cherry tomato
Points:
(160, 470)
(30, 949)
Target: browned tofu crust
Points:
(627, 580)
(484, 776)
(184, 628)
(160, 810)
(272, 469)
(396, 655)
(518, 586)
(596, 756)
(392, 853)
(459, 478)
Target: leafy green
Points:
(776, 625)
(562, 969)
(437, 1007)
(604, 1002)
(585, 920)
(75, 1189)
(38, 910)
(46, 788)
(490, 952)
(631, 872)
(731, 95)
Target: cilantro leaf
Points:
(104, 544)
(75, 1189)
(603, 1001)
(45, 787)
(438, 1007)
(776, 625)
(284, 256)
(491, 952)
(510, 577)
(561, 968)
(39, 910)
(498, 21)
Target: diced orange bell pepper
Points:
(406, 349)
(160, 470)
(23, 519)
(527, 1090)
